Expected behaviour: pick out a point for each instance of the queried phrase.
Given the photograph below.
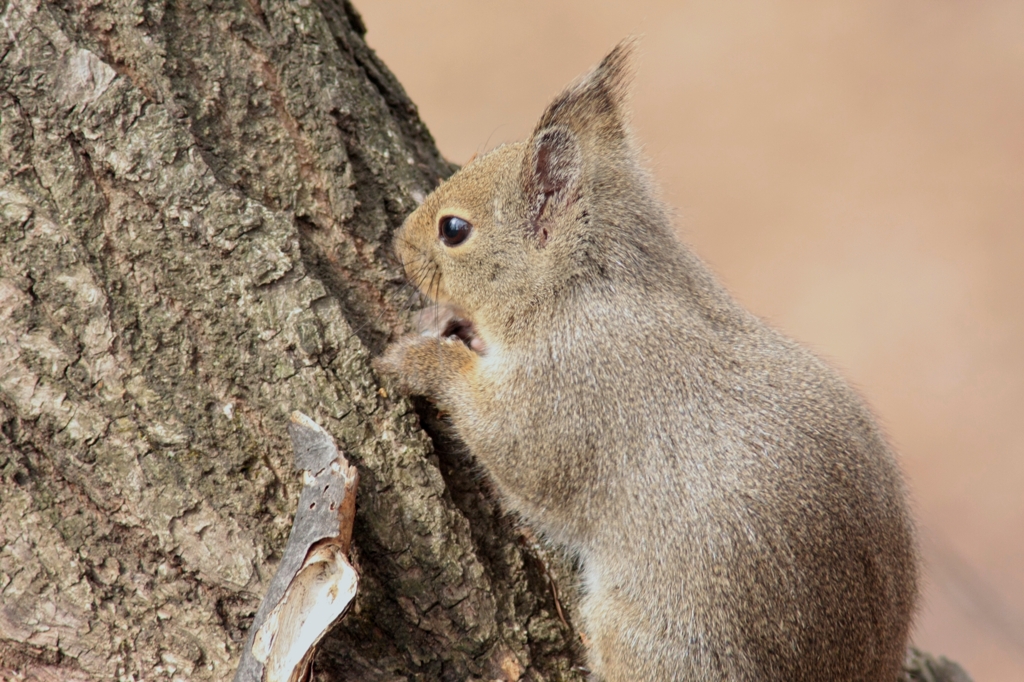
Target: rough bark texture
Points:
(196, 203)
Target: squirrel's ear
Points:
(588, 112)
(554, 176)
(595, 103)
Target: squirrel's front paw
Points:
(397, 357)
(425, 364)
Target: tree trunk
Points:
(196, 206)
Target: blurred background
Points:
(854, 172)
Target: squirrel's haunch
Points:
(737, 512)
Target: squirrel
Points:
(735, 510)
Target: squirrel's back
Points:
(718, 481)
(736, 510)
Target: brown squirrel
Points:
(735, 509)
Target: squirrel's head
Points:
(514, 228)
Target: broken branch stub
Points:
(314, 583)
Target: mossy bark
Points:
(196, 205)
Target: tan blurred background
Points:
(854, 171)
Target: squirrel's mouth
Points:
(462, 328)
(449, 321)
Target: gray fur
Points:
(736, 510)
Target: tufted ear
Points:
(587, 118)
(595, 102)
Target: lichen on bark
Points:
(196, 202)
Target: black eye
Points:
(453, 230)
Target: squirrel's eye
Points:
(453, 230)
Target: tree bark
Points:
(196, 206)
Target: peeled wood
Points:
(196, 205)
(196, 208)
(314, 583)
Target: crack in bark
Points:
(186, 347)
